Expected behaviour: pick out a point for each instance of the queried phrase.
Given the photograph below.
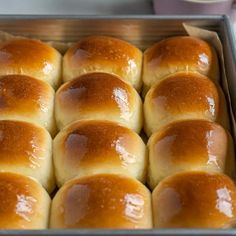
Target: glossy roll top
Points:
(184, 96)
(98, 96)
(24, 203)
(26, 149)
(102, 201)
(182, 53)
(30, 57)
(27, 99)
(195, 200)
(91, 147)
(104, 54)
(190, 145)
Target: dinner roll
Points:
(104, 54)
(98, 96)
(102, 201)
(190, 145)
(24, 203)
(195, 200)
(27, 99)
(30, 57)
(26, 149)
(182, 53)
(184, 96)
(91, 147)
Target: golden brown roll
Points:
(24, 203)
(26, 149)
(32, 58)
(92, 147)
(182, 53)
(190, 145)
(98, 96)
(27, 99)
(102, 201)
(104, 54)
(195, 200)
(184, 96)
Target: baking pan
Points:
(142, 31)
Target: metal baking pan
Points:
(142, 31)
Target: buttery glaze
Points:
(190, 144)
(171, 49)
(23, 95)
(98, 146)
(21, 143)
(183, 96)
(181, 53)
(28, 99)
(93, 139)
(102, 201)
(30, 57)
(99, 96)
(97, 90)
(104, 54)
(26, 149)
(195, 200)
(191, 140)
(186, 92)
(24, 203)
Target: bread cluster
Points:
(30, 70)
(99, 158)
(190, 149)
(73, 129)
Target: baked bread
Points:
(184, 96)
(190, 145)
(27, 99)
(92, 147)
(102, 201)
(30, 57)
(181, 53)
(26, 149)
(195, 200)
(104, 54)
(98, 96)
(24, 203)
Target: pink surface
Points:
(190, 7)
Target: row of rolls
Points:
(88, 136)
